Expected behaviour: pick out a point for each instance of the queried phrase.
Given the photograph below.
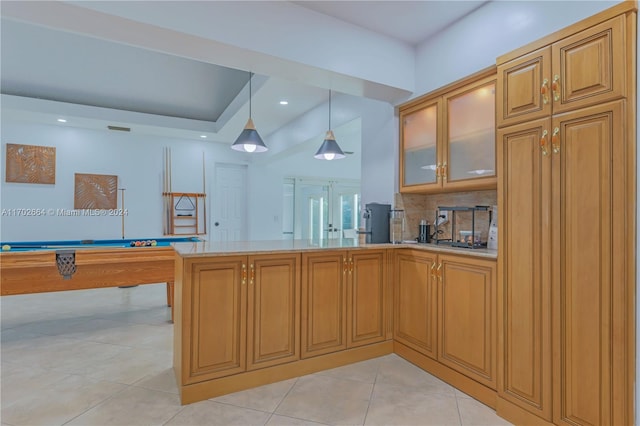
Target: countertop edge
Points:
(198, 250)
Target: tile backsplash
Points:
(421, 206)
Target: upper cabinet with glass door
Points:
(419, 132)
(448, 138)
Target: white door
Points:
(229, 212)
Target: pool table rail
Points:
(36, 271)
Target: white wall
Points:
(137, 160)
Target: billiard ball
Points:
(6, 247)
(132, 244)
(154, 243)
(138, 243)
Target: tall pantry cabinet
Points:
(566, 194)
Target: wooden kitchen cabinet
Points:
(579, 70)
(415, 301)
(244, 312)
(445, 308)
(218, 296)
(467, 316)
(447, 138)
(273, 313)
(564, 180)
(524, 304)
(343, 300)
(567, 201)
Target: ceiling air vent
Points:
(119, 129)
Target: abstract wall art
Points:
(31, 164)
(95, 191)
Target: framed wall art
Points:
(31, 164)
(95, 191)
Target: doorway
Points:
(229, 210)
(322, 209)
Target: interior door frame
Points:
(216, 198)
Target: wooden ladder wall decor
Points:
(185, 213)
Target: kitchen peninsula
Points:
(252, 313)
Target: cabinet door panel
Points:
(520, 88)
(586, 171)
(469, 135)
(324, 293)
(590, 66)
(419, 147)
(366, 301)
(524, 294)
(218, 316)
(273, 330)
(467, 314)
(415, 313)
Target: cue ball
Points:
(6, 247)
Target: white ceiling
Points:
(409, 21)
(193, 98)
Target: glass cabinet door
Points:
(470, 135)
(419, 156)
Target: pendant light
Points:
(329, 150)
(249, 140)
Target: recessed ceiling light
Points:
(284, 102)
(62, 120)
(203, 136)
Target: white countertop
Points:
(212, 248)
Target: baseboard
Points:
(459, 381)
(518, 415)
(250, 379)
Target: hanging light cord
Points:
(329, 109)
(250, 75)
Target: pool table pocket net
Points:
(66, 261)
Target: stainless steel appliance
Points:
(376, 222)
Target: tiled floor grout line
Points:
(285, 397)
(455, 394)
(124, 388)
(373, 388)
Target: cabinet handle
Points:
(345, 266)
(244, 274)
(253, 274)
(544, 91)
(438, 172)
(555, 87)
(444, 171)
(438, 272)
(555, 140)
(433, 271)
(543, 143)
(350, 266)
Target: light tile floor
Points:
(104, 357)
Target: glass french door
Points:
(325, 209)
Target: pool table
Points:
(31, 266)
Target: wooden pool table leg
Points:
(170, 297)
(169, 293)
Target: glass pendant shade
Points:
(329, 150)
(249, 140)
